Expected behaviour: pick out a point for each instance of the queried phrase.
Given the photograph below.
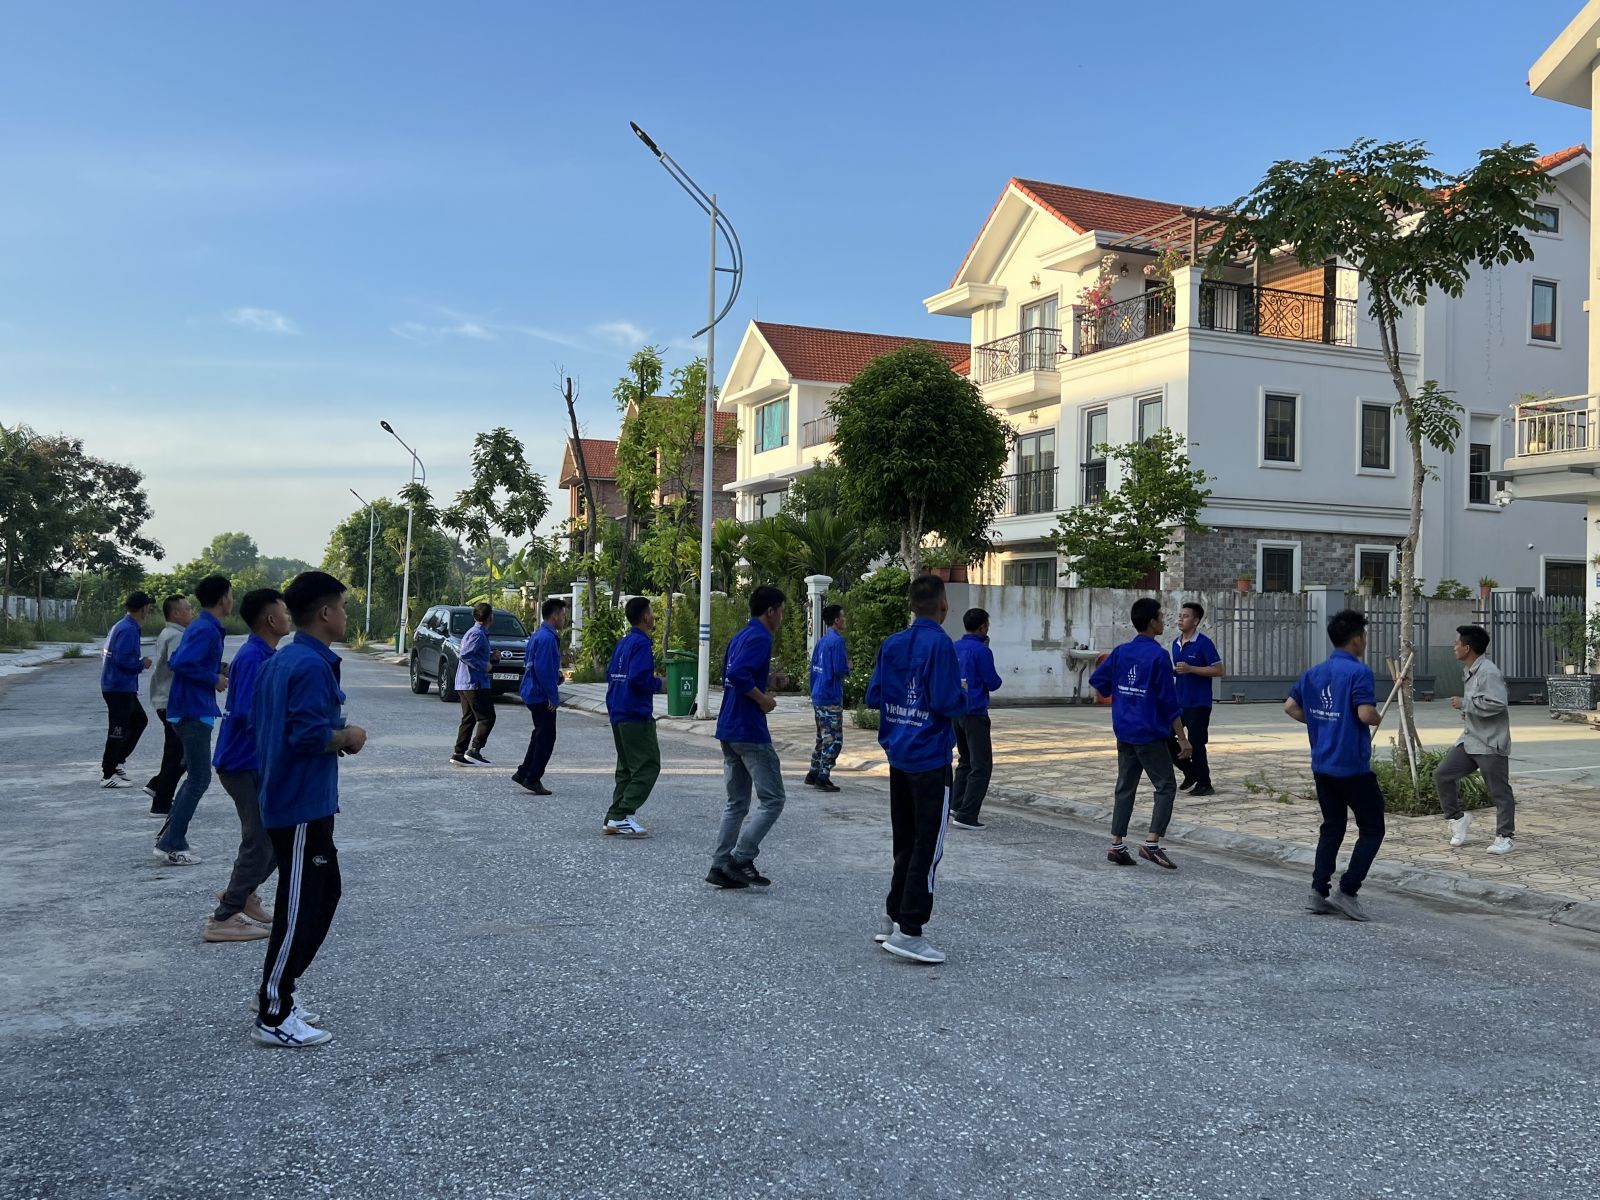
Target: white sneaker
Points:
(888, 930)
(178, 858)
(1501, 845)
(293, 1034)
(627, 827)
(116, 781)
(1458, 829)
(120, 773)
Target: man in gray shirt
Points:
(1484, 745)
(164, 784)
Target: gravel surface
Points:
(522, 1007)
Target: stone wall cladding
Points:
(1215, 559)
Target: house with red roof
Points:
(780, 384)
(1088, 325)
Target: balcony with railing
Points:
(1132, 320)
(1558, 426)
(815, 433)
(1029, 493)
(1029, 350)
(1269, 312)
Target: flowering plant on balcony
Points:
(1096, 297)
(1168, 261)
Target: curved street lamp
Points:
(720, 225)
(405, 579)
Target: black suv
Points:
(436, 649)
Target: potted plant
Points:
(1243, 580)
(1577, 641)
(946, 562)
(1486, 584)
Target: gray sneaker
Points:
(885, 931)
(1317, 903)
(1349, 905)
(917, 949)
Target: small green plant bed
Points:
(1422, 800)
(25, 635)
(588, 673)
(72, 652)
(864, 718)
(1259, 785)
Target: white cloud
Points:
(417, 331)
(262, 320)
(621, 333)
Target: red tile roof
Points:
(599, 455)
(1550, 162)
(1083, 210)
(838, 355)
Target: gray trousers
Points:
(747, 764)
(1152, 759)
(255, 862)
(1496, 768)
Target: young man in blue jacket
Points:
(120, 667)
(300, 734)
(541, 692)
(476, 690)
(164, 784)
(1196, 663)
(830, 663)
(973, 738)
(631, 685)
(1337, 702)
(197, 676)
(748, 757)
(916, 688)
(1145, 712)
(240, 915)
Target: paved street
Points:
(523, 1008)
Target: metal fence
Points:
(1029, 492)
(1521, 629)
(1131, 320)
(1383, 640)
(1269, 312)
(1264, 639)
(26, 608)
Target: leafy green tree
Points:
(672, 550)
(1411, 230)
(505, 493)
(918, 445)
(727, 548)
(1127, 533)
(636, 468)
(232, 552)
(822, 487)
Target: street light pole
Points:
(719, 225)
(405, 576)
(366, 629)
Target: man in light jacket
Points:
(1484, 745)
(475, 689)
(164, 783)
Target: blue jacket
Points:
(830, 663)
(916, 688)
(472, 666)
(1137, 675)
(541, 668)
(1330, 693)
(977, 671)
(196, 664)
(121, 658)
(631, 679)
(236, 743)
(297, 708)
(1194, 691)
(747, 665)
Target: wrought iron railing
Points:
(1268, 312)
(814, 433)
(1094, 481)
(1029, 350)
(1029, 492)
(1558, 425)
(1131, 320)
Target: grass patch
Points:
(1423, 799)
(864, 718)
(72, 652)
(357, 640)
(25, 635)
(588, 673)
(1259, 785)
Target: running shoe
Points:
(749, 873)
(726, 879)
(1501, 845)
(232, 929)
(1119, 854)
(177, 858)
(1156, 855)
(292, 1034)
(1349, 905)
(1317, 903)
(627, 827)
(477, 757)
(917, 949)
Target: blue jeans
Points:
(195, 735)
(745, 764)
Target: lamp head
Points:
(387, 428)
(645, 138)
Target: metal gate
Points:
(1264, 639)
(1521, 629)
(1383, 640)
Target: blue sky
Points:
(233, 237)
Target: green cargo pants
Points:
(638, 764)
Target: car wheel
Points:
(419, 685)
(447, 680)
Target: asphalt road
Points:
(522, 1007)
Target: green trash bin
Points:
(683, 681)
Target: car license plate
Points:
(507, 676)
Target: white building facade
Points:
(1275, 378)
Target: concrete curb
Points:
(1414, 881)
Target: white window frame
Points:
(1087, 449)
(1362, 404)
(1271, 544)
(1159, 398)
(1546, 559)
(1560, 221)
(1262, 460)
(1392, 552)
(1033, 561)
(1551, 344)
(755, 420)
(1467, 501)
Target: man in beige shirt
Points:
(1484, 745)
(164, 783)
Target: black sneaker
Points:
(748, 872)
(1205, 789)
(460, 760)
(967, 823)
(720, 877)
(1157, 855)
(811, 778)
(477, 757)
(826, 785)
(1119, 854)
(1186, 785)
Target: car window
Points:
(506, 625)
(460, 622)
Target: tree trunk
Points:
(622, 552)
(1408, 744)
(5, 597)
(588, 497)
